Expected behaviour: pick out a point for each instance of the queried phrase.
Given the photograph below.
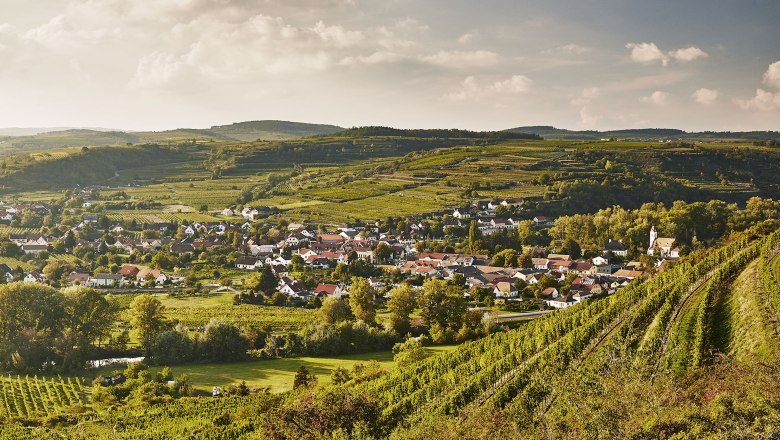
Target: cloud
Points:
(705, 96)
(465, 38)
(649, 53)
(656, 98)
(646, 53)
(569, 49)
(764, 101)
(472, 89)
(688, 54)
(461, 59)
(772, 75)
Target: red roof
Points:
(329, 289)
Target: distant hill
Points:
(27, 140)
(436, 133)
(273, 130)
(550, 132)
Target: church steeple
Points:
(653, 236)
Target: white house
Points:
(106, 280)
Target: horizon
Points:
(149, 67)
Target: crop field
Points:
(197, 311)
(39, 397)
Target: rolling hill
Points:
(32, 140)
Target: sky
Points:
(481, 65)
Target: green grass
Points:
(278, 374)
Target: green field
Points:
(278, 374)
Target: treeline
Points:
(435, 133)
(692, 225)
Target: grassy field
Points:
(278, 374)
(198, 310)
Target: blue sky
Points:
(590, 64)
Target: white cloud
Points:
(570, 49)
(472, 89)
(764, 101)
(656, 98)
(705, 96)
(465, 38)
(688, 54)
(337, 35)
(772, 75)
(461, 59)
(649, 53)
(379, 57)
(515, 84)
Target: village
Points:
(119, 256)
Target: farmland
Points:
(39, 397)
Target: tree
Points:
(31, 322)
(382, 252)
(267, 281)
(89, 314)
(361, 300)
(441, 303)
(409, 352)
(571, 247)
(403, 300)
(334, 310)
(303, 378)
(224, 342)
(474, 235)
(147, 316)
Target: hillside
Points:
(645, 134)
(33, 140)
(272, 130)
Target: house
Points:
(541, 263)
(328, 290)
(78, 278)
(514, 203)
(128, 271)
(661, 246)
(562, 266)
(562, 302)
(541, 220)
(145, 274)
(248, 263)
(34, 249)
(6, 272)
(615, 247)
(548, 293)
(106, 280)
(227, 212)
(34, 277)
(293, 288)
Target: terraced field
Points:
(667, 323)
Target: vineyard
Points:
(28, 397)
(665, 324)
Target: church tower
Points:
(653, 236)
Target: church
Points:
(663, 247)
